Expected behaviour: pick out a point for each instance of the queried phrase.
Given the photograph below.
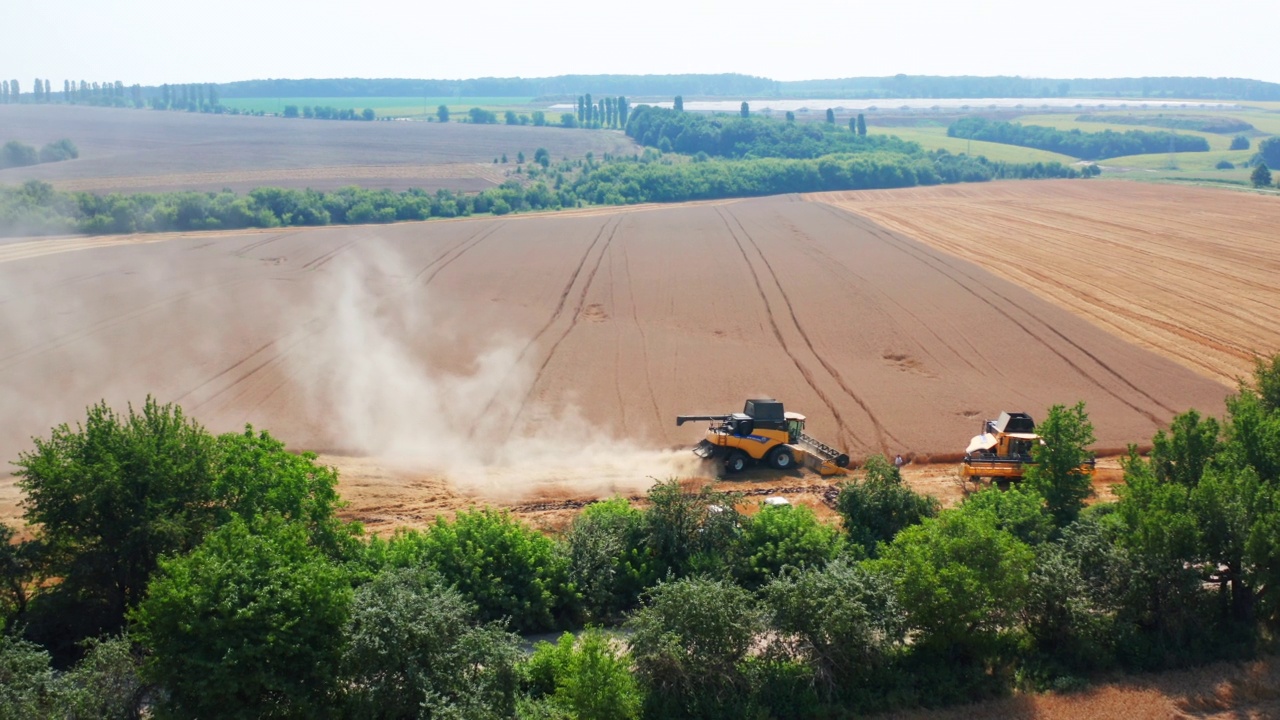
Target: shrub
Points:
(877, 508)
(609, 562)
(414, 644)
(58, 151)
(270, 611)
(586, 677)
(781, 537)
(1225, 165)
(16, 154)
(510, 571)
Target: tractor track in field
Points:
(951, 272)
(574, 317)
(881, 432)
(844, 432)
(831, 262)
(644, 340)
(443, 260)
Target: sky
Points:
(153, 41)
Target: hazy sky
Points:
(151, 42)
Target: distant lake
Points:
(819, 105)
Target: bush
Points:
(413, 644)
(1239, 142)
(16, 154)
(689, 641)
(1225, 165)
(876, 509)
(587, 677)
(609, 563)
(781, 537)
(58, 151)
(510, 571)
(270, 612)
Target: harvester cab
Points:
(1002, 451)
(765, 433)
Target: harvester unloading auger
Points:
(764, 432)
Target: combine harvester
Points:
(764, 433)
(1002, 451)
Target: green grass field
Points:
(934, 138)
(384, 106)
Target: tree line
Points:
(235, 590)
(113, 94)
(1086, 146)
(1198, 123)
(36, 208)
(608, 112)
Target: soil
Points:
(145, 150)
(508, 360)
(1187, 272)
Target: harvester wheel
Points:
(735, 463)
(781, 458)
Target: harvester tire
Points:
(735, 463)
(781, 458)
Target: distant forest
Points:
(735, 85)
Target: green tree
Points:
(511, 118)
(1058, 473)
(368, 114)
(539, 118)
(690, 532)
(585, 677)
(508, 570)
(831, 116)
(568, 120)
(745, 110)
(688, 642)
(26, 679)
(862, 125)
(964, 580)
(542, 157)
(117, 493)
(1020, 511)
(17, 154)
(791, 117)
(1268, 151)
(270, 610)
(442, 113)
(1239, 142)
(780, 537)
(678, 105)
(291, 111)
(624, 110)
(1261, 176)
(880, 506)
(107, 683)
(609, 561)
(842, 620)
(414, 648)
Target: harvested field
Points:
(545, 357)
(1187, 272)
(137, 150)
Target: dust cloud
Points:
(397, 380)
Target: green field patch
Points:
(1199, 162)
(383, 106)
(935, 138)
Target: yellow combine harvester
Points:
(763, 432)
(1003, 451)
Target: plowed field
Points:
(1190, 273)
(146, 150)
(546, 356)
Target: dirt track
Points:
(548, 356)
(145, 150)
(1190, 273)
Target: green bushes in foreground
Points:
(254, 606)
